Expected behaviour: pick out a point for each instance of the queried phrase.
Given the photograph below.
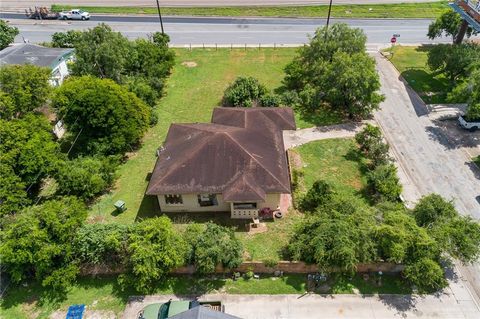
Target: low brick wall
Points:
(288, 267)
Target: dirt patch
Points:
(189, 64)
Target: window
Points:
(173, 199)
(207, 200)
(244, 205)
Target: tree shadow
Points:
(448, 134)
(400, 303)
(196, 285)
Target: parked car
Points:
(75, 14)
(472, 126)
(172, 308)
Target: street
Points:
(226, 31)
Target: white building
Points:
(25, 53)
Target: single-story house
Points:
(25, 53)
(236, 163)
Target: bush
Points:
(454, 61)
(385, 183)
(271, 262)
(66, 39)
(270, 100)
(101, 243)
(7, 34)
(86, 177)
(426, 274)
(244, 91)
(473, 112)
(371, 144)
(212, 246)
(432, 209)
(318, 195)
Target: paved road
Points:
(429, 161)
(12, 4)
(184, 30)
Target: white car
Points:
(471, 126)
(75, 14)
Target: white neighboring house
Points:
(54, 58)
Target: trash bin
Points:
(120, 206)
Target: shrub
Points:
(473, 112)
(385, 183)
(244, 91)
(433, 208)
(372, 146)
(7, 34)
(66, 39)
(271, 262)
(270, 100)
(319, 194)
(86, 177)
(426, 274)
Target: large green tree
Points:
(454, 61)
(26, 85)
(7, 34)
(38, 242)
(449, 24)
(106, 117)
(154, 249)
(335, 71)
(12, 191)
(213, 245)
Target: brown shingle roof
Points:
(230, 159)
(255, 117)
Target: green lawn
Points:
(388, 284)
(411, 62)
(402, 10)
(335, 161)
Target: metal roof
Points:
(202, 312)
(467, 17)
(26, 53)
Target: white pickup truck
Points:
(75, 14)
(471, 126)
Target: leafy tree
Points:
(7, 34)
(101, 243)
(455, 61)
(432, 208)
(12, 191)
(270, 100)
(384, 181)
(154, 249)
(473, 112)
(426, 274)
(371, 144)
(66, 39)
(107, 118)
(318, 195)
(244, 91)
(38, 242)
(216, 245)
(28, 148)
(27, 85)
(86, 177)
(334, 70)
(7, 107)
(449, 24)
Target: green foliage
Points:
(7, 107)
(318, 195)
(7, 34)
(154, 249)
(28, 148)
(107, 117)
(12, 191)
(66, 39)
(334, 70)
(426, 274)
(213, 245)
(38, 242)
(271, 262)
(433, 208)
(103, 53)
(473, 112)
(86, 177)
(454, 61)
(270, 100)
(244, 91)
(101, 243)
(385, 183)
(371, 144)
(449, 24)
(27, 85)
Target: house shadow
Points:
(219, 218)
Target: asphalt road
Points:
(428, 161)
(12, 4)
(226, 31)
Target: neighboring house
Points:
(201, 312)
(237, 163)
(54, 58)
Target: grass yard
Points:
(335, 161)
(191, 95)
(411, 62)
(399, 10)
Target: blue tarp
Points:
(471, 21)
(75, 312)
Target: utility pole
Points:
(328, 19)
(160, 16)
